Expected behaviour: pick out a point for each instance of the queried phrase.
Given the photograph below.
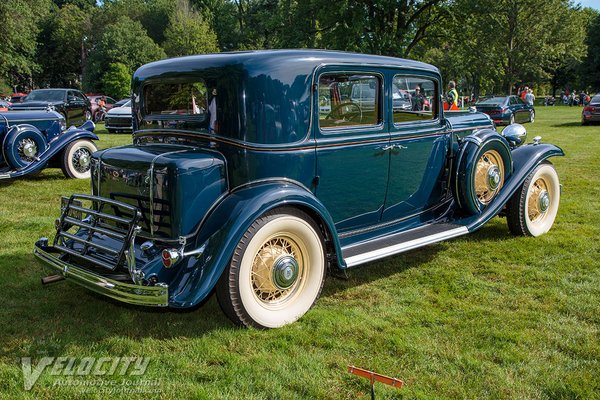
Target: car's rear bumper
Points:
(157, 295)
(591, 117)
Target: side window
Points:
(110, 100)
(413, 99)
(349, 100)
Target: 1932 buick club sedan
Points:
(32, 140)
(254, 173)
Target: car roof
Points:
(275, 61)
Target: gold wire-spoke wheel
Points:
(538, 201)
(533, 208)
(489, 176)
(277, 270)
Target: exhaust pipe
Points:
(51, 279)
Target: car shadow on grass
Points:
(47, 320)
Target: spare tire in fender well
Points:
(471, 149)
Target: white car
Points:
(119, 119)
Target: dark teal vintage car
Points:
(254, 174)
(33, 140)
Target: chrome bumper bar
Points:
(126, 292)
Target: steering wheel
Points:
(345, 112)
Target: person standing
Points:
(452, 97)
(529, 98)
(418, 100)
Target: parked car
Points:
(119, 119)
(506, 110)
(591, 112)
(109, 103)
(121, 102)
(70, 103)
(33, 140)
(235, 181)
(17, 97)
(4, 105)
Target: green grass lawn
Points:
(487, 315)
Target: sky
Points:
(590, 3)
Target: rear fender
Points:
(225, 226)
(525, 160)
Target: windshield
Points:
(492, 101)
(46, 95)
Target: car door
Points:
(419, 149)
(351, 146)
(73, 108)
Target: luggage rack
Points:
(113, 233)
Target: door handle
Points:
(393, 147)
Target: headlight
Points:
(515, 134)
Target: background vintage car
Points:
(33, 140)
(506, 110)
(72, 104)
(236, 182)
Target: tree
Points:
(497, 45)
(124, 42)
(116, 82)
(19, 30)
(64, 46)
(591, 68)
(188, 33)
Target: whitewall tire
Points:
(277, 271)
(533, 208)
(76, 159)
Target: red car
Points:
(94, 99)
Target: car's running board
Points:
(372, 250)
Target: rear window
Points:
(177, 105)
(492, 101)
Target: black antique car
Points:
(33, 140)
(255, 173)
(72, 104)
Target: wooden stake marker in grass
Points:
(375, 377)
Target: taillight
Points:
(170, 257)
(589, 109)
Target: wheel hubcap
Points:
(285, 272)
(81, 160)
(544, 202)
(27, 149)
(277, 270)
(489, 176)
(493, 177)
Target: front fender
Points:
(222, 230)
(54, 147)
(525, 160)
